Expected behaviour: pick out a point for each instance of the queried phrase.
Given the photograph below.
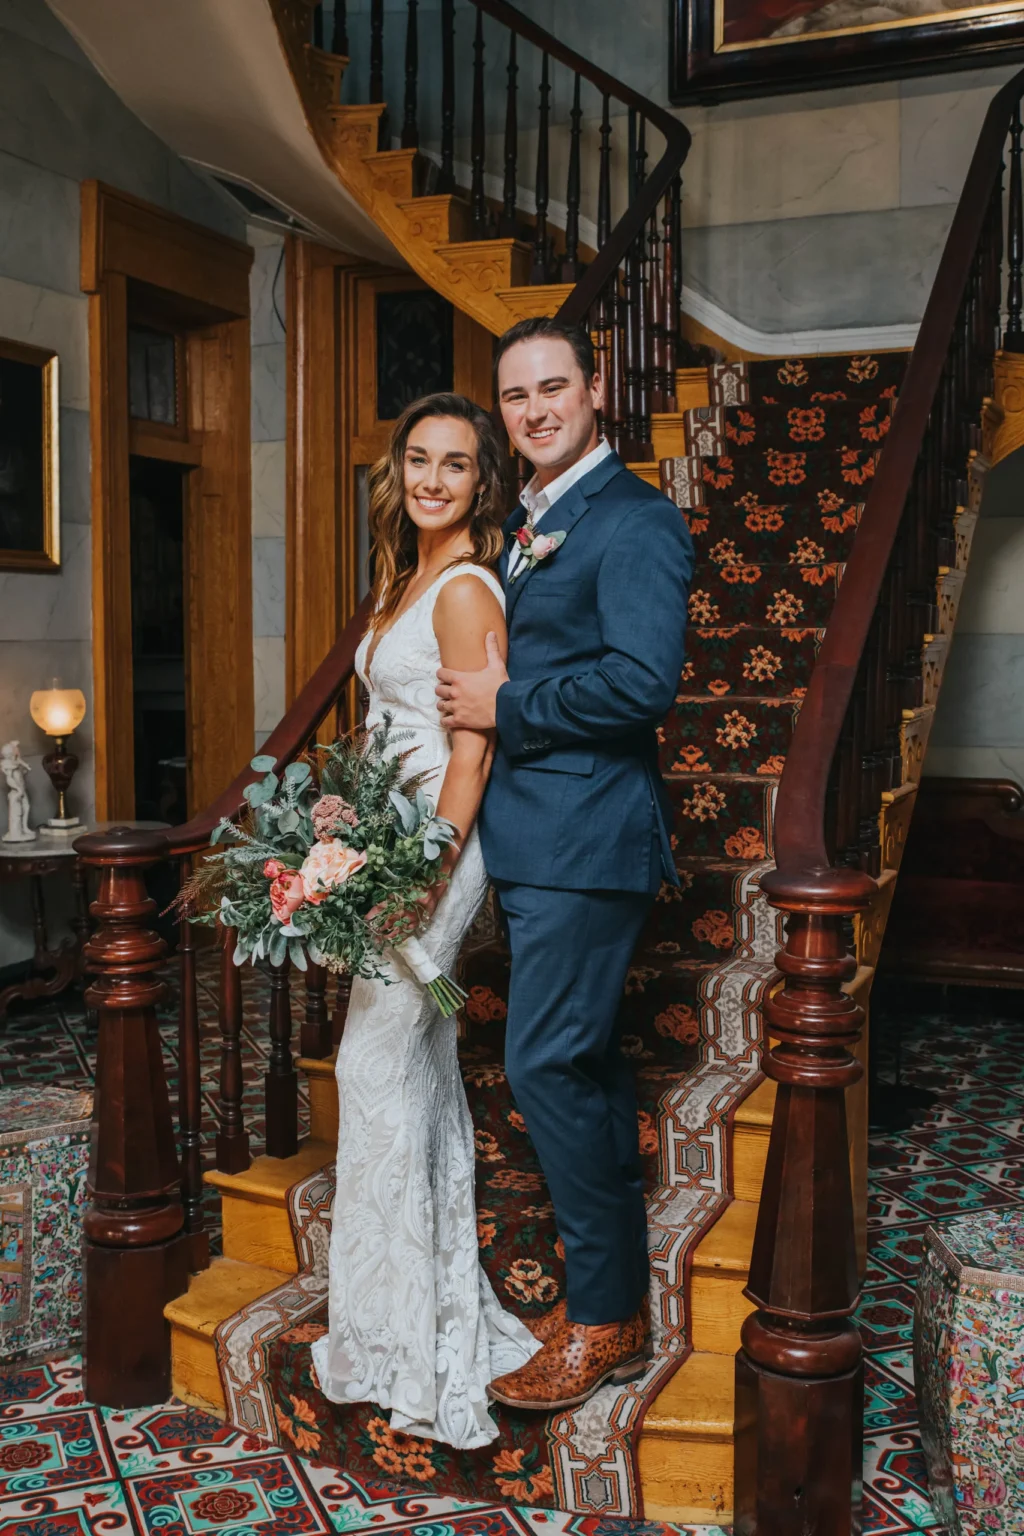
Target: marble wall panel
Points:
(39, 224)
(268, 490)
(940, 120)
(975, 763)
(820, 159)
(268, 587)
(268, 393)
(268, 678)
(45, 318)
(75, 461)
(782, 275)
(57, 112)
(55, 605)
(993, 595)
(982, 693)
(266, 286)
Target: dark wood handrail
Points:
(801, 854)
(646, 199)
(289, 736)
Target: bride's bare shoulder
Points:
(467, 609)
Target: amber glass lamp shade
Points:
(58, 711)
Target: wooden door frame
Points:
(202, 278)
(331, 430)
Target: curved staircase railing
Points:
(843, 807)
(627, 289)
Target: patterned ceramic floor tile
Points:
(53, 1451)
(266, 1494)
(100, 1509)
(949, 1192)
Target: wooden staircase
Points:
(686, 1447)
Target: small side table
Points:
(52, 852)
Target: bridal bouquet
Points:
(327, 862)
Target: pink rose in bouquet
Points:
(327, 865)
(286, 893)
(272, 868)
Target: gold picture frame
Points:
(29, 458)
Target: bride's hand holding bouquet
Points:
(337, 861)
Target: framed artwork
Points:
(29, 477)
(722, 49)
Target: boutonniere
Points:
(535, 547)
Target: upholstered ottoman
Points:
(969, 1370)
(44, 1157)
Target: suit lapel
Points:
(564, 515)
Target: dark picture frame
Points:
(29, 459)
(705, 67)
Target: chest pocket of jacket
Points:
(560, 760)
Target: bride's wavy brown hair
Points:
(393, 534)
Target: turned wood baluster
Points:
(281, 1082)
(669, 308)
(315, 1036)
(190, 1100)
(446, 176)
(799, 1381)
(643, 359)
(232, 1137)
(339, 29)
(1013, 339)
(656, 310)
(478, 138)
(630, 309)
(540, 272)
(318, 26)
(507, 224)
(410, 130)
(377, 68)
(136, 1251)
(618, 316)
(605, 308)
(572, 268)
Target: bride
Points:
(414, 1324)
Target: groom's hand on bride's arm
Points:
(467, 700)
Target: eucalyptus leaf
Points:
(288, 821)
(297, 773)
(431, 849)
(241, 953)
(263, 763)
(278, 947)
(297, 954)
(406, 814)
(259, 794)
(423, 805)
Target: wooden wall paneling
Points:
(474, 360)
(218, 563)
(320, 529)
(113, 717)
(133, 253)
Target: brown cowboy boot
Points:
(545, 1328)
(571, 1366)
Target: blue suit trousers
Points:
(574, 1088)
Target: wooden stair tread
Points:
(727, 1247)
(698, 1402)
(216, 1293)
(757, 1108)
(269, 1179)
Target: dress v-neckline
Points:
(378, 640)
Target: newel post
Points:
(799, 1375)
(136, 1251)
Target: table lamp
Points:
(58, 711)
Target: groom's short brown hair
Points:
(546, 326)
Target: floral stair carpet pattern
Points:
(70, 1470)
(771, 489)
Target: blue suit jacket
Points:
(596, 645)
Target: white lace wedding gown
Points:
(414, 1323)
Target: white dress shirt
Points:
(540, 499)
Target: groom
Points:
(575, 828)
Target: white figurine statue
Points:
(14, 768)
